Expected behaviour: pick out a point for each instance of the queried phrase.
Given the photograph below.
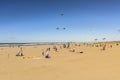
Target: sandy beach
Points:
(59, 39)
(92, 64)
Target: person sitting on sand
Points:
(111, 46)
(117, 44)
(20, 53)
(72, 50)
(97, 46)
(47, 55)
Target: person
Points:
(55, 48)
(48, 49)
(20, 52)
(104, 47)
(68, 45)
(47, 55)
(117, 44)
(111, 46)
(72, 50)
(42, 52)
(64, 46)
(97, 45)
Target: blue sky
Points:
(37, 20)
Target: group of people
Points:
(47, 53)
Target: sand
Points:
(93, 64)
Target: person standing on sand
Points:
(55, 48)
(48, 49)
(104, 47)
(64, 46)
(43, 52)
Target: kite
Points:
(96, 39)
(104, 38)
(61, 14)
(57, 28)
(60, 28)
(64, 28)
